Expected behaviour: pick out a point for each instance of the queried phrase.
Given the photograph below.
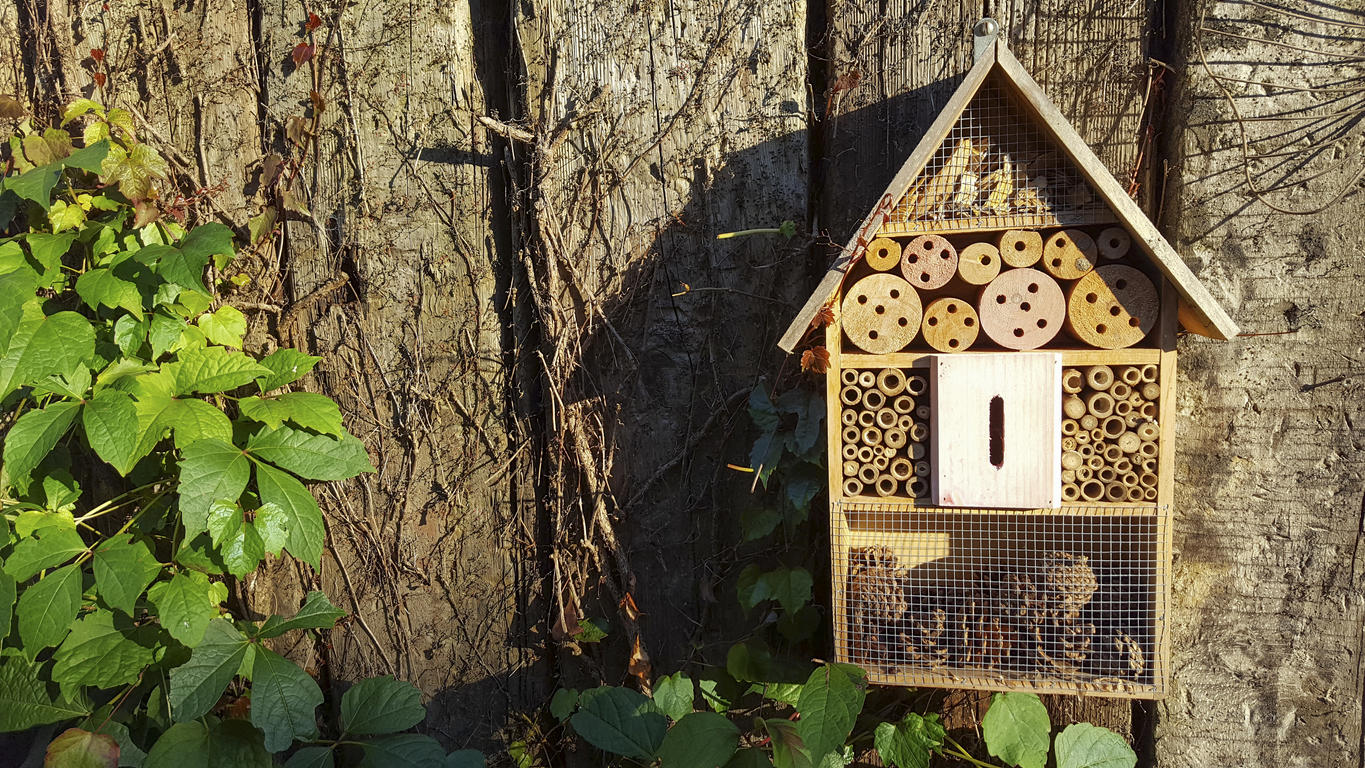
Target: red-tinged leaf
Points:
(639, 666)
(99, 79)
(302, 53)
(313, 22)
(629, 608)
(76, 748)
(97, 54)
(825, 316)
(815, 360)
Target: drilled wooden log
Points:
(1069, 254)
(978, 263)
(928, 262)
(1113, 243)
(950, 325)
(1021, 309)
(890, 382)
(881, 314)
(1021, 247)
(883, 254)
(1112, 307)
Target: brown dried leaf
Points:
(296, 129)
(313, 22)
(10, 108)
(639, 667)
(824, 316)
(815, 360)
(301, 54)
(629, 608)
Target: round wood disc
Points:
(883, 254)
(1021, 247)
(979, 263)
(929, 262)
(881, 313)
(950, 325)
(1112, 307)
(1022, 309)
(1069, 254)
(1113, 243)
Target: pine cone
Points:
(1069, 581)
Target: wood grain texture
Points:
(1022, 309)
(1113, 306)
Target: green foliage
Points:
(1016, 729)
(122, 372)
(910, 742)
(1083, 745)
(620, 721)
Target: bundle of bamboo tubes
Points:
(1110, 433)
(884, 426)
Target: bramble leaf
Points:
(284, 700)
(405, 750)
(829, 704)
(47, 608)
(317, 612)
(620, 721)
(909, 743)
(1082, 745)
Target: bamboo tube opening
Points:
(1106, 474)
(1135, 493)
(850, 468)
(867, 419)
(1070, 492)
(1148, 450)
(1089, 421)
(901, 468)
(1068, 475)
(1149, 467)
(1099, 377)
(894, 438)
(1115, 492)
(1150, 391)
(1082, 438)
(873, 399)
(1149, 373)
(1113, 427)
(881, 450)
(1092, 490)
(1123, 408)
(868, 474)
(1129, 479)
(1129, 442)
(865, 454)
(1100, 405)
(849, 376)
(1070, 427)
(1072, 460)
(905, 422)
(1097, 435)
(1120, 391)
(918, 488)
(918, 432)
(867, 379)
(1149, 494)
(1084, 473)
(1086, 450)
(1148, 410)
(886, 418)
(891, 382)
(1130, 375)
(1132, 419)
(1094, 462)
(1112, 454)
(850, 451)
(886, 485)
(853, 487)
(881, 462)
(1069, 444)
(922, 411)
(921, 469)
(872, 436)
(903, 404)
(849, 417)
(915, 385)
(852, 434)
(851, 396)
(1072, 381)
(1123, 465)
(917, 451)
(1073, 407)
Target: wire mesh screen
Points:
(1071, 602)
(996, 170)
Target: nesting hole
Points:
(1120, 283)
(1101, 328)
(1000, 299)
(862, 299)
(895, 293)
(1091, 298)
(879, 309)
(952, 343)
(1042, 323)
(967, 321)
(1025, 306)
(1018, 332)
(952, 309)
(1032, 287)
(1114, 311)
(933, 321)
(872, 335)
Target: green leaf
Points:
(180, 268)
(699, 740)
(9, 591)
(123, 569)
(306, 409)
(563, 703)
(129, 754)
(284, 700)
(303, 518)
(193, 420)
(829, 705)
(758, 522)
(197, 684)
(100, 654)
(32, 438)
(1017, 729)
(47, 608)
(163, 332)
(311, 757)
(379, 705)
(909, 743)
(272, 523)
(35, 185)
(224, 519)
(211, 369)
(790, 587)
(24, 698)
(620, 721)
(48, 251)
(750, 757)
(77, 748)
(43, 345)
(465, 758)
(674, 694)
(46, 547)
(1082, 745)
(185, 606)
(99, 287)
(129, 333)
(785, 693)
(789, 751)
(110, 421)
(406, 750)
(215, 744)
(207, 240)
(312, 457)
(286, 366)
(225, 326)
(211, 471)
(317, 612)
(90, 158)
(242, 550)
(591, 630)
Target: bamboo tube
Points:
(1129, 442)
(1130, 375)
(849, 417)
(1068, 475)
(1073, 407)
(881, 450)
(1092, 490)
(903, 404)
(883, 254)
(891, 382)
(918, 432)
(1124, 464)
(872, 436)
(1072, 381)
(922, 411)
(1120, 391)
(1115, 491)
(1132, 419)
(1112, 454)
(1069, 254)
(849, 377)
(904, 422)
(1089, 421)
(851, 434)
(1135, 493)
(1112, 244)
(1151, 392)
(867, 379)
(1149, 494)
(886, 418)
(1070, 492)
(1099, 377)
(978, 263)
(1097, 436)
(1149, 375)
(1100, 405)
(865, 454)
(1070, 427)
(901, 468)
(1094, 462)
(921, 469)
(881, 462)
(1082, 438)
(928, 262)
(1072, 460)
(1084, 473)
(853, 487)
(1021, 247)
(1022, 309)
(1135, 399)
(873, 399)
(1106, 474)
(1148, 450)
(1149, 466)
(867, 418)
(894, 438)
(1113, 427)
(886, 485)
(850, 451)
(850, 395)
(1148, 410)
(917, 451)
(1123, 408)
(1086, 450)
(918, 488)
(868, 474)
(1129, 478)
(850, 468)
(916, 385)
(1068, 444)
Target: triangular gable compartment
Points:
(995, 170)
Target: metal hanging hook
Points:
(984, 33)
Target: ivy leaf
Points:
(674, 694)
(99, 287)
(379, 705)
(100, 654)
(225, 326)
(43, 345)
(35, 185)
(284, 700)
(32, 438)
(306, 409)
(46, 547)
(1082, 745)
(303, 519)
(699, 740)
(207, 240)
(77, 748)
(317, 612)
(313, 457)
(184, 604)
(909, 743)
(762, 411)
(211, 471)
(829, 705)
(197, 684)
(620, 721)
(215, 744)
(790, 587)
(110, 421)
(564, 702)
(211, 369)
(286, 367)
(24, 698)
(1017, 729)
(801, 484)
(129, 334)
(406, 750)
(123, 569)
(272, 523)
(163, 332)
(47, 608)
(48, 250)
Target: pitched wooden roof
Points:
(1199, 312)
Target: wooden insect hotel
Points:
(1002, 364)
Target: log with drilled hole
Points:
(1021, 247)
(1113, 243)
(883, 254)
(1022, 309)
(928, 262)
(881, 314)
(1112, 307)
(1069, 254)
(950, 325)
(978, 263)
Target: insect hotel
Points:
(1000, 410)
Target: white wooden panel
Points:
(1025, 470)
